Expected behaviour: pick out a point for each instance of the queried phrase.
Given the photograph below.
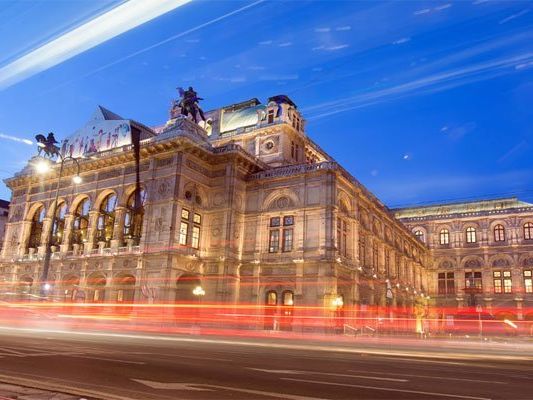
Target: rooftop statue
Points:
(187, 104)
(47, 144)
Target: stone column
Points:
(118, 228)
(67, 233)
(92, 229)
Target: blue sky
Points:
(420, 100)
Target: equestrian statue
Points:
(47, 144)
(188, 104)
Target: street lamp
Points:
(42, 167)
(198, 291)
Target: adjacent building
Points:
(482, 253)
(245, 206)
(4, 210)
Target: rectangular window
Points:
(273, 241)
(288, 220)
(275, 222)
(184, 229)
(442, 283)
(507, 282)
(195, 238)
(197, 219)
(270, 116)
(528, 281)
(450, 282)
(287, 239)
(473, 280)
(185, 214)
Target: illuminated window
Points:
(288, 298)
(473, 280)
(134, 216)
(446, 283)
(184, 229)
(106, 219)
(444, 237)
(502, 282)
(471, 236)
(528, 231)
(81, 222)
(342, 237)
(271, 298)
(59, 225)
(195, 239)
(420, 235)
(194, 226)
(278, 231)
(36, 230)
(499, 233)
(528, 281)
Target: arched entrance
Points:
(70, 286)
(96, 288)
(185, 289)
(24, 287)
(279, 309)
(125, 287)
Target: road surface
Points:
(124, 366)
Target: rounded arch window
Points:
(106, 219)
(59, 224)
(499, 233)
(36, 230)
(528, 231)
(133, 219)
(288, 298)
(444, 236)
(471, 235)
(271, 298)
(420, 235)
(81, 221)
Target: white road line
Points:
(457, 396)
(433, 377)
(104, 359)
(292, 372)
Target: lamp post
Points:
(42, 167)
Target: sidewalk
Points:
(16, 392)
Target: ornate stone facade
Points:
(249, 208)
(482, 253)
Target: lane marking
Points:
(202, 386)
(434, 377)
(105, 359)
(457, 396)
(292, 372)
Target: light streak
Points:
(116, 21)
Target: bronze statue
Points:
(188, 104)
(47, 144)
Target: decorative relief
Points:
(212, 269)
(158, 224)
(162, 189)
(501, 262)
(528, 262)
(198, 168)
(446, 264)
(472, 264)
(164, 162)
(112, 173)
(215, 232)
(218, 199)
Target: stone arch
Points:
(124, 284)
(60, 202)
(33, 209)
(501, 261)
(281, 199)
(526, 260)
(472, 262)
(101, 196)
(96, 284)
(420, 228)
(445, 263)
(24, 286)
(77, 200)
(344, 202)
(127, 192)
(185, 285)
(70, 285)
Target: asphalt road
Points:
(115, 366)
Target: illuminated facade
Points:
(482, 253)
(4, 210)
(250, 209)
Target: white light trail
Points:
(116, 21)
(16, 139)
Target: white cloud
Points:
(402, 40)
(480, 2)
(285, 44)
(265, 42)
(443, 7)
(524, 65)
(256, 68)
(287, 77)
(420, 12)
(336, 47)
(374, 172)
(322, 30)
(343, 28)
(444, 128)
(15, 139)
(514, 16)
(406, 157)
(116, 21)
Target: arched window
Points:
(59, 225)
(81, 222)
(420, 235)
(499, 233)
(444, 236)
(36, 230)
(471, 236)
(528, 231)
(133, 221)
(106, 219)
